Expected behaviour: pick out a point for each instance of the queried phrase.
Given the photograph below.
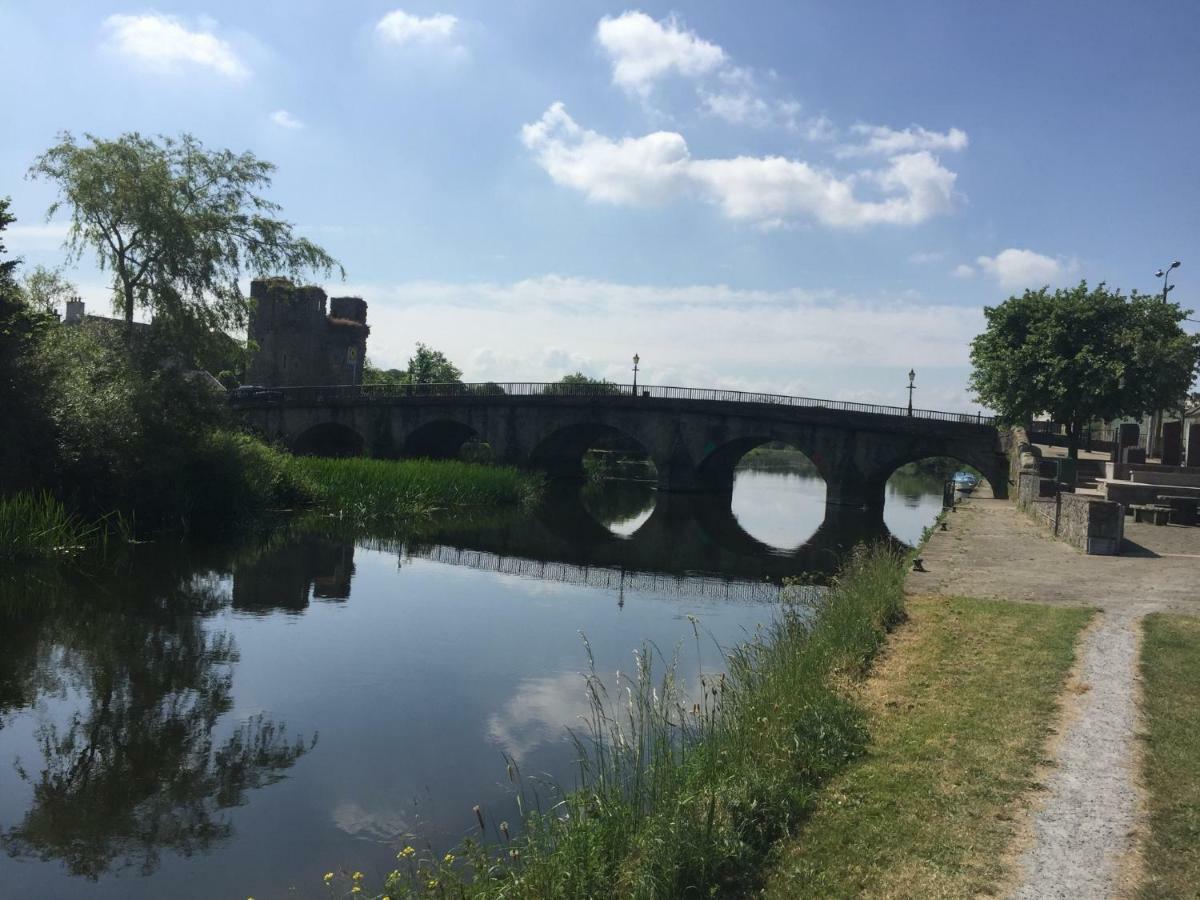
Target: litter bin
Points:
(1065, 473)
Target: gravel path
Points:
(1083, 834)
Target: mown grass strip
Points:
(959, 714)
(1171, 704)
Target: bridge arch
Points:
(560, 452)
(718, 467)
(439, 439)
(992, 467)
(328, 439)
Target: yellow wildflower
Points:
(448, 858)
(328, 877)
(405, 853)
(432, 884)
(358, 876)
(356, 890)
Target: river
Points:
(234, 721)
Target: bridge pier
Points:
(853, 491)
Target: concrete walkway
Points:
(1084, 831)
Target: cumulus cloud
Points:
(1016, 269)
(880, 140)
(165, 43)
(963, 271)
(399, 28)
(285, 119)
(766, 191)
(642, 50)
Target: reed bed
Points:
(35, 525)
(380, 493)
(683, 791)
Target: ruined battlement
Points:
(303, 337)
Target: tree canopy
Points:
(177, 224)
(1082, 355)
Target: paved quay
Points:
(1084, 828)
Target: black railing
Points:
(388, 393)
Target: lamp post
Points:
(636, 359)
(1156, 416)
(911, 376)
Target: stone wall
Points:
(1091, 524)
(298, 342)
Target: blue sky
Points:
(796, 196)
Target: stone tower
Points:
(299, 342)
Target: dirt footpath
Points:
(1083, 829)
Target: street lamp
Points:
(911, 376)
(636, 359)
(1156, 416)
(1165, 275)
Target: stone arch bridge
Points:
(695, 437)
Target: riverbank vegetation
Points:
(930, 809)
(384, 494)
(685, 789)
(1171, 673)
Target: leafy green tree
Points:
(429, 366)
(372, 374)
(45, 289)
(177, 224)
(25, 452)
(578, 383)
(1083, 355)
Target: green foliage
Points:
(34, 524)
(1083, 355)
(380, 494)
(429, 366)
(684, 791)
(46, 289)
(578, 383)
(24, 377)
(178, 225)
(372, 374)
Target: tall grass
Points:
(683, 791)
(35, 525)
(382, 493)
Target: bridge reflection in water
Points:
(689, 545)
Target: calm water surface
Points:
(232, 722)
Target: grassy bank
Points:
(34, 525)
(1171, 673)
(376, 493)
(959, 714)
(684, 790)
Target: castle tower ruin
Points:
(299, 342)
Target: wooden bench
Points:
(1152, 513)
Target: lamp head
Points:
(1176, 264)
(1159, 273)
(911, 375)
(636, 359)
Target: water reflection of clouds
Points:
(538, 713)
(382, 825)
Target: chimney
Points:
(74, 311)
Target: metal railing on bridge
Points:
(390, 393)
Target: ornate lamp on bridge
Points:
(636, 359)
(1156, 417)
(911, 376)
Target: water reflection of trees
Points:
(614, 502)
(136, 769)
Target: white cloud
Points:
(643, 50)
(883, 141)
(400, 28)
(963, 271)
(25, 238)
(794, 341)
(285, 119)
(1014, 269)
(766, 191)
(930, 256)
(164, 43)
(632, 171)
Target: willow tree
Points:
(1083, 355)
(176, 224)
